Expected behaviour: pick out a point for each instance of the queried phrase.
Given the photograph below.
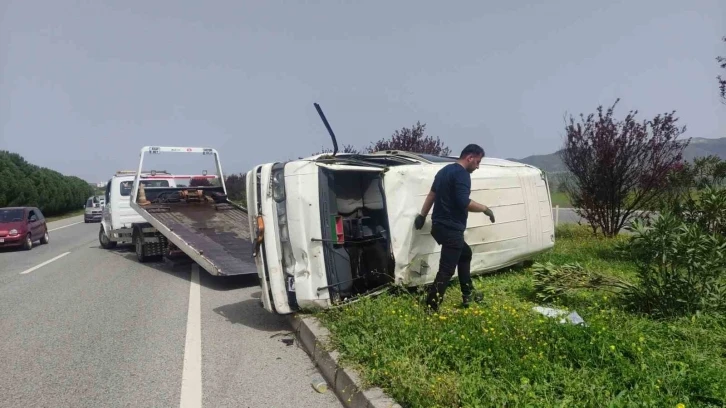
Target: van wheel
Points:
(106, 243)
(46, 238)
(139, 245)
(28, 244)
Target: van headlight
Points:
(278, 183)
(13, 232)
(278, 194)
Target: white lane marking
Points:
(191, 392)
(65, 226)
(44, 263)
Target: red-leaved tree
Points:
(412, 139)
(619, 167)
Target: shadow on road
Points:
(183, 271)
(251, 314)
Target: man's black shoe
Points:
(477, 297)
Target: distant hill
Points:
(698, 147)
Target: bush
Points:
(681, 259)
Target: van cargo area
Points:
(356, 231)
(201, 222)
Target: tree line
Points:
(25, 184)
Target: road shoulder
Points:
(314, 338)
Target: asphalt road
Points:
(569, 216)
(96, 328)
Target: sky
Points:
(84, 85)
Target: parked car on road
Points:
(94, 209)
(21, 227)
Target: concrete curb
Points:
(344, 381)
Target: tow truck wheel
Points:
(103, 239)
(139, 245)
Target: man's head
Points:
(471, 157)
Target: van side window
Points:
(31, 213)
(40, 215)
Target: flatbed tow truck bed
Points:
(217, 233)
(197, 220)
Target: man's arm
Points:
(476, 207)
(463, 190)
(428, 203)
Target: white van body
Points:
(118, 216)
(331, 229)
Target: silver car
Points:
(94, 209)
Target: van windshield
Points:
(127, 185)
(11, 215)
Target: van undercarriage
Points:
(355, 232)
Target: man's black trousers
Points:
(455, 252)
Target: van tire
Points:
(46, 238)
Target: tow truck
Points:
(199, 221)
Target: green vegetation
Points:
(502, 353)
(64, 216)
(24, 184)
(561, 199)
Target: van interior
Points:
(355, 232)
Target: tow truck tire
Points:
(138, 240)
(103, 239)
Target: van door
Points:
(265, 237)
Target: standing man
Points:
(450, 197)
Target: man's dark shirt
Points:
(452, 186)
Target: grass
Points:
(74, 213)
(560, 199)
(502, 353)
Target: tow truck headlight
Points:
(13, 232)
